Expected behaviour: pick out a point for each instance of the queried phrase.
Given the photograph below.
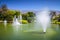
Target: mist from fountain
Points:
(5, 22)
(44, 19)
(16, 23)
(20, 18)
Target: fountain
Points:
(5, 22)
(20, 18)
(16, 23)
(44, 19)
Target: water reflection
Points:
(5, 23)
(58, 27)
(18, 32)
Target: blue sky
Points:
(31, 4)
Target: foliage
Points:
(17, 13)
(8, 15)
(24, 16)
(56, 19)
(23, 21)
(29, 16)
(4, 7)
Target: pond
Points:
(28, 32)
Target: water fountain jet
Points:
(44, 19)
(5, 22)
(16, 23)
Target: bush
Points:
(23, 21)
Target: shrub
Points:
(23, 21)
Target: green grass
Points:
(27, 32)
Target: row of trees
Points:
(6, 14)
(29, 16)
(55, 17)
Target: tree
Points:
(17, 13)
(30, 17)
(4, 7)
(6, 14)
(3, 12)
(24, 16)
(11, 12)
(30, 14)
